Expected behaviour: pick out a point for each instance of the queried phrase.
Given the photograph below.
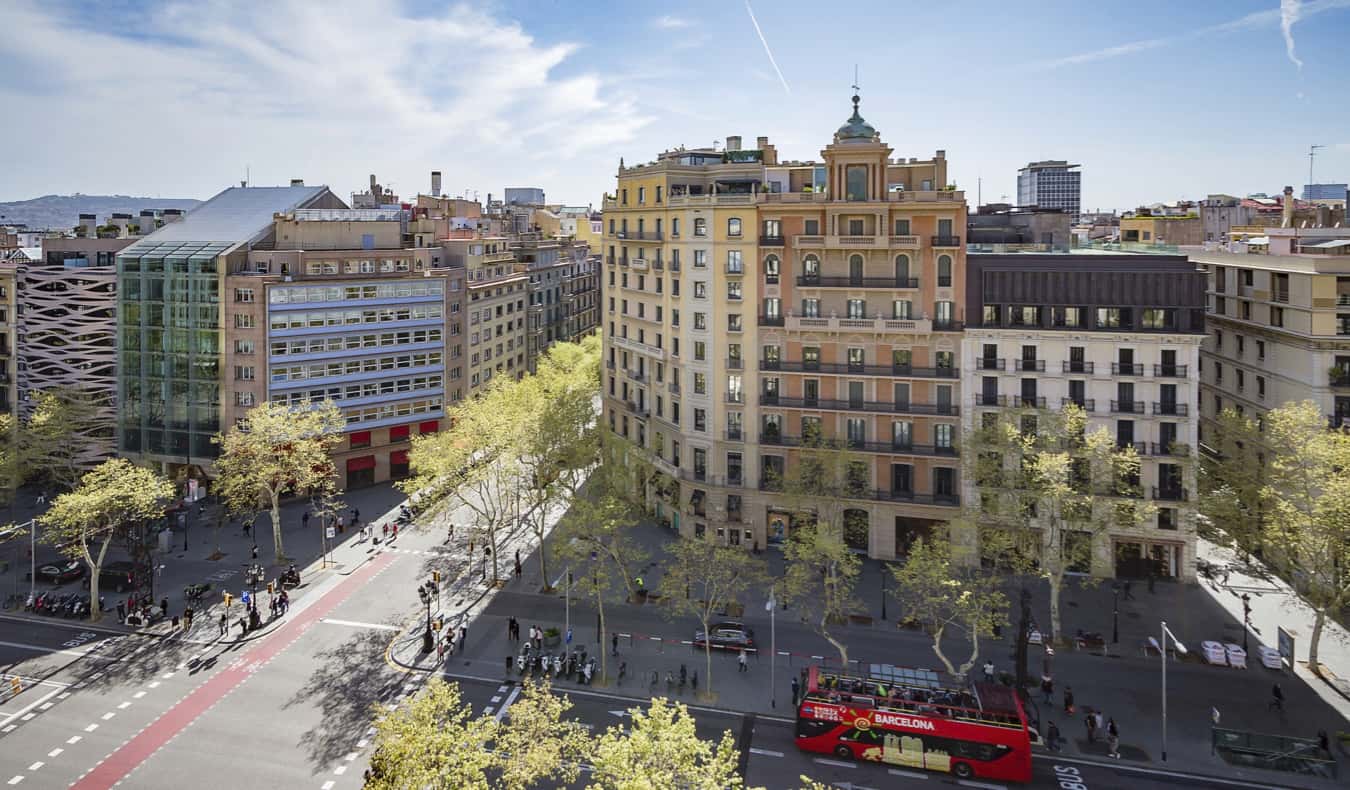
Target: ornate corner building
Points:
(749, 303)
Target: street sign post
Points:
(1286, 645)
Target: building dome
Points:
(856, 128)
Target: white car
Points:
(1237, 657)
(1213, 653)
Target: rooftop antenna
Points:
(979, 191)
(1312, 154)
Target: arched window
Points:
(944, 271)
(771, 270)
(902, 271)
(855, 269)
(811, 267)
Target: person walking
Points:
(796, 689)
(614, 645)
(463, 636)
(1048, 689)
(518, 568)
(510, 629)
(1052, 737)
(1068, 699)
(340, 525)
(1276, 698)
(1112, 739)
(224, 623)
(187, 619)
(743, 662)
(989, 671)
(255, 551)
(1129, 596)
(1090, 722)
(248, 527)
(304, 519)
(121, 612)
(164, 612)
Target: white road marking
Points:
(63, 695)
(765, 752)
(328, 785)
(363, 743)
(10, 728)
(36, 765)
(55, 752)
(74, 739)
(167, 675)
(835, 763)
(91, 728)
(497, 698)
(909, 774)
(982, 785)
(351, 756)
(124, 706)
(46, 705)
(340, 770)
(16, 779)
(153, 684)
(108, 715)
(138, 695)
(27, 716)
(45, 649)
(487, 710)
(358, 624)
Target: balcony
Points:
(734, 435)
(1170, 371)
(1127, 369)
(989, 363)
(1031, 365)
(1280, 296)
(640, 264)
(1173, 449)
(1170, 493)
(876, 325)
(609, 259)
(835, 368)
(675, 266)
(639, 348)
(734, 363)
(1139, 447)
(1077, 367)
(1127, 407)
(772, 320)
(637, 375)
(871, 406)
(735, 269)
(1338, 377)
(735, 397)
(1086, 404)
(946, 241)
(674, 387)
(609, 363)
(640, 235)
(810, 241)
(1171, 407)
(940, 500)
(890, 283)
(890, 448)
(904, 242)
(990, 399)
(941, 325)
(771, 241)
(857, 241)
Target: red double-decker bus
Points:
(906, 718)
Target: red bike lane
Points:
(173, 721)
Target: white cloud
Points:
(297, 88)
(669, 22)
(1290, 11)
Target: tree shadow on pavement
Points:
(351, 679)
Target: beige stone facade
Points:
(495, 310)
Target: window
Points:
(944, 267)
(700, 320)
(243, 321)
(1277, 316)
(700, 350)
(811, 227)
(902, 227)
(700, 415)
(771, 270)
(810, 266)
(1261, 386)
(734, 262)
(243, 398)
(857, 308)
(734, 226)
(1260, 349)
(1156, 319)
(243, 295)
(243, 346)
(1108, 317)
(942, 435)
(902, 309)
(773, 307)
(811, 308)
(1220, 305)
(244, 373)
(700, 259)
(700, 226)
(700, 289)
(734, 290)
(855, 180)
(1241, 344)
(642, 195)
(734, 322)
(773, 229)
(674, 225)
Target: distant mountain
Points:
(62, 212)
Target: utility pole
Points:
(1312, 154)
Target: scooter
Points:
(524, 660)
(587, 672)
(578, 660)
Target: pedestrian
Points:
(1323, 742)
(538, 638)
(508, 664)
(224, 623)
(243, 626)
(518, 568)
(248, 525)
(742, 660)
(1129, 596)
(1048, 688)
(187, 619)
(510, 629)
(1276, 698)
(989, 671)
(121, 612)
(304, 519)
(1112, 739)
(340, 525)
(464, 636)
(614, 645)
(1068, 699)
(1151, 577)
(1052, 737)
(1090, 722)
(796, 689)
(255, 551)
(693, 682)
(164, 612)
(684, 676)
(356, 516)
(285, 602)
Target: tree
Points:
(594, 535)
(661, 750)
(946, 597)
(1048, 489)
(557, 432)
(1306, 501)
(713, 577)
(1230, 484)
(537, 744)
(52, 444)
(821, 568)
(476, 462)
(432, 740)
(277, 450)
(112, 498)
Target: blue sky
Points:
(1156, 100)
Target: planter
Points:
(552, 638)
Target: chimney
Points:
(733, 142)
(297, 182)
(435, 183)
(1287, 215)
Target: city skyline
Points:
(188, 99)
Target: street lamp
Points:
(1162, 649)
(428, 641)
(1115, 613)
(1246, 619)
(883, 591)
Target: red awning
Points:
(362, 463)
(399, 457)
(398, 433)
(431, 426)
(359, 438)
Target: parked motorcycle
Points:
(559, 661)
(525, 659)
(588, 671)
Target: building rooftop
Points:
(235, 215)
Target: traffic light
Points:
(229, 599)
(436, 624)
(436, 576)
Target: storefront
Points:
(360, 471)
(398, 465)
(1140, 559)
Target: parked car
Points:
(119, 576)
(729, 634)
(61, 572)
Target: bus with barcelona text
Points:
(908, 719)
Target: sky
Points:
(1157, 100)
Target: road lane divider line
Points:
(359, 624)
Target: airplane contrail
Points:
(765, 42)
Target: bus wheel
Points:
(962, 770)
(843, 752)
